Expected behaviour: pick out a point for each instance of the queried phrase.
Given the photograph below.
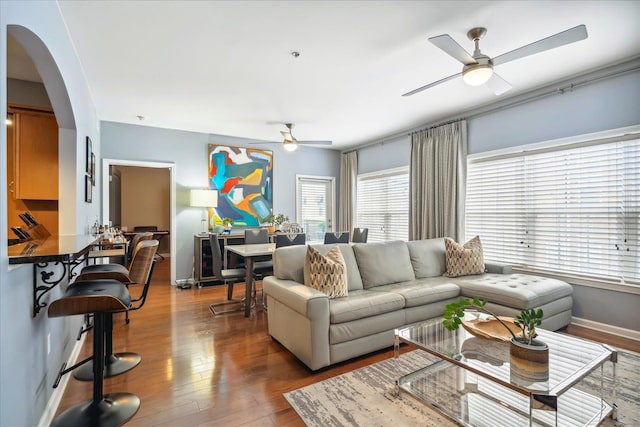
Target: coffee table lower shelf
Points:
(472, 400)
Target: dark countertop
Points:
(53, 248)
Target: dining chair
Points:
(286, 239)
(252, 236)
(229, 276)
(336, 237)
(360, 235)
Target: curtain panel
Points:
(348, 185)
(437, 174)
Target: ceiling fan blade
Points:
(566, 37)
(287, 135)
(420, 89)
(315, 142)
(450, 46)
(266, 142)
(497, 84)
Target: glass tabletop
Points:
(570, 358)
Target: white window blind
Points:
(569, 210)
(313, 207)
(383, 204)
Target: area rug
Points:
(365, 397)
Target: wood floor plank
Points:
(199, 370)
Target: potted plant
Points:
(227, 223)
(529, 357)
(279, 219)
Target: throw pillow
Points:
(463, 260)
(326, 273)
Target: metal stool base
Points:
(117, 364)
(113, 410)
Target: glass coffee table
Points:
(472, 383)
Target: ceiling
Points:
(226, 67)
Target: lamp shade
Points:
(204, 198)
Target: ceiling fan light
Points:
(289, 145)
(477, 74)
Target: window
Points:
(383, 204)
(314, 205)
(571, 210)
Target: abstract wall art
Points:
(243, 178)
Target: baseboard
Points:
(58, 392)
(603, 327)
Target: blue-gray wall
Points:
(188, 150)
(605, 104)
(27, 369)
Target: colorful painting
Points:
(243, 178)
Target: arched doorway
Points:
(56, 91)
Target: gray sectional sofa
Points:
(391, 284)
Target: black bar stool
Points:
(101, 298)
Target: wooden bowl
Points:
(491, 329)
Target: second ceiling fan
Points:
(478, 68)
(290, 143)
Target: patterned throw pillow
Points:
(327, 273)
(463, 260)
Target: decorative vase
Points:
(529, 361)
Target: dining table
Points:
(250, 252)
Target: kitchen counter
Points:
(53, 248)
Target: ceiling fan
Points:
(290, 143)
(478, 68)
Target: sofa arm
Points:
(498, 268)
(307, 301)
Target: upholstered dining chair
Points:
(285, 239)
(336, 237)
(229, 276)
(253, 236)
(360, 235)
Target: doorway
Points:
(315, 205)
(114, 170)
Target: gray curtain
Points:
(348, 181)
(438, 174)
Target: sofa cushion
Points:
(361, 304)
(326, 273)
(422, 291)
(463, 260)
(383, 263)
(427, 257)
(288, 263)
(514, 290)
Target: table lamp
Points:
(204, 199)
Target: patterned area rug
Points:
(365, 396)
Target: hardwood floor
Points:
(201, 370)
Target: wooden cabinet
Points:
(32, 167)
(203, 263)
(36, 156)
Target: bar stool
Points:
(139, 271)
(101, 298)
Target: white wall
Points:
(27, 371)
(188, 151)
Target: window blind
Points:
(383, 204)
(312, 207)
(573, 211)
